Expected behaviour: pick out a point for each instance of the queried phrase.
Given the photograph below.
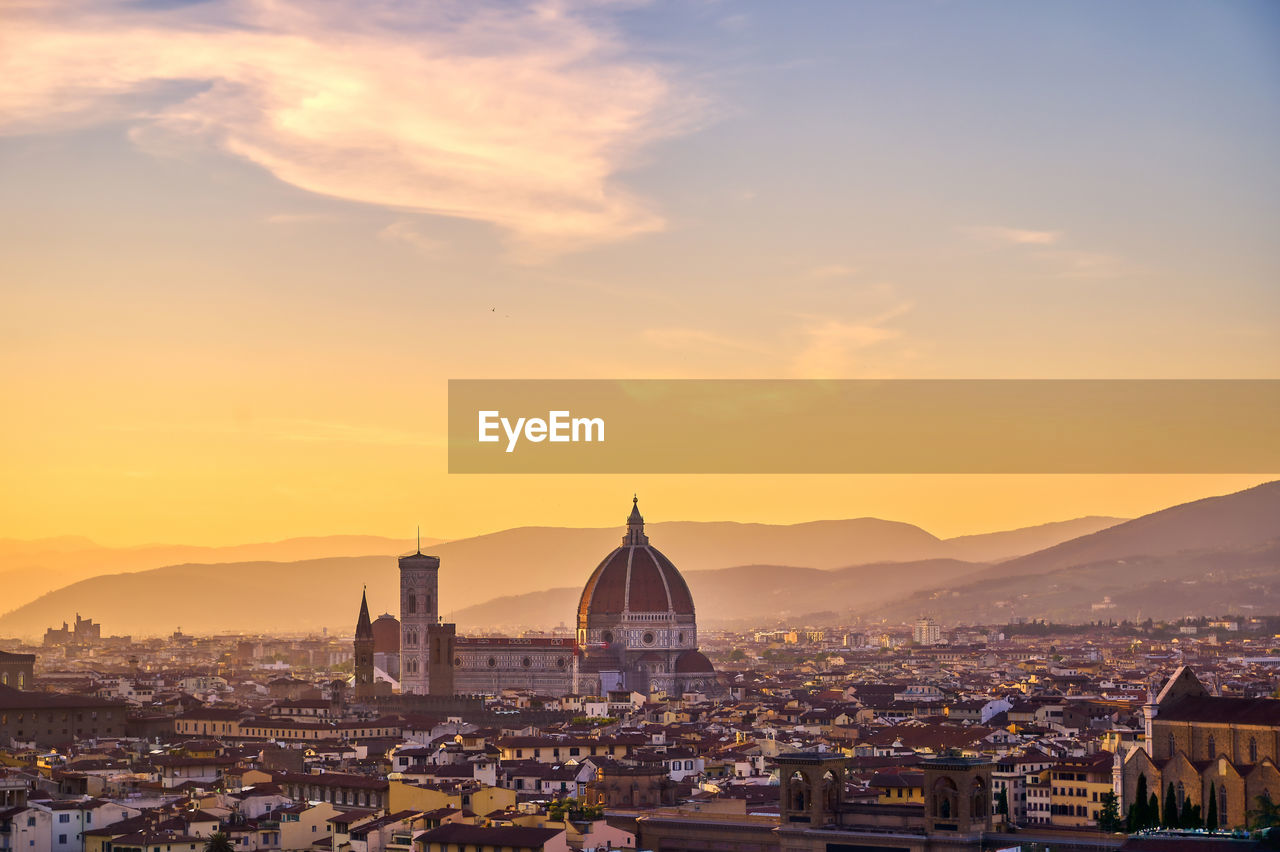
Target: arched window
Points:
(411, 604)
(1222, 805)
(1253, 750)
(1182, 795)
(1172, 745)
(1212, 747)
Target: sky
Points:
(244, 245)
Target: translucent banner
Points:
(864, 426)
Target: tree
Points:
(1170, 807)
(1133, 821)
(1140, 806)
(1109, 815)
(1265, 815)
(1153, 811)
(219, 841)
(1211, 815)
(1002, 803)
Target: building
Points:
(55, 719)
(85, 632)
(386, 645)
(17, 670)
(1204, 745)
(926, 632)
(637, 629)
(426, 645)
(364, 681)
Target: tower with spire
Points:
(364, 679)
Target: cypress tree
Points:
(1153, 810)
(1140, 804)
(1170, 807)
(1211, 813)
(1132, 822)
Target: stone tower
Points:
(426, 645)
(364, 651)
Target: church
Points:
(636, 630)
(1203, 745)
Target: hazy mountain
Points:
(1207, 556)
(999, 546)
(1239, 521)
(751, 593)
(28, 569)
(1190, 583)
(525, 563)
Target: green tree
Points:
(1002, 803)
(219, 841)
(1265, 815)
(1153, 810)
(1170, 807)
(1211, 815)
(738, 655)
(1140, 806)
(1109, 815)
(1133, 821)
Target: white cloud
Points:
(518, 115)
(1014, 236)
(832, 348)
(406, 233)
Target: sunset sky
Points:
(244, 245)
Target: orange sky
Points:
(244, 246)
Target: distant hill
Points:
(1207, 556)
(746, 593)
(28, 569)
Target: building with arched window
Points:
(1200, 742)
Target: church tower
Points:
(364, 651)
(426, 645)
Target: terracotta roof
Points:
(1222, 711)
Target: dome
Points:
(386, 634)
(635, 578)
(693, 662)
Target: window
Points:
(64, 817)
(1253, 750)
(1212, 747)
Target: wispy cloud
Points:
(406, 233)
(832, 271)
(685, 338)
(518, 115)
(1013, 236)
(832, 347)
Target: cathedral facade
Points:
(636, 630)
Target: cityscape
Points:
(639, 426)
(634, 728)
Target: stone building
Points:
(17, 670)
(1202, 744)
(637, 630)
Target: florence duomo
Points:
(637, 631)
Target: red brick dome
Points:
(635, 578)
(386, 634)
(693, 662)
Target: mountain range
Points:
(1201, 557)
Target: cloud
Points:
(405, 233)
(831, 271)
(831, 345)
(1014, 236)
(517, 115)
(686, 338)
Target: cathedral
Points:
(636, 630)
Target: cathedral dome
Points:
(635, 578)
(693, 662)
